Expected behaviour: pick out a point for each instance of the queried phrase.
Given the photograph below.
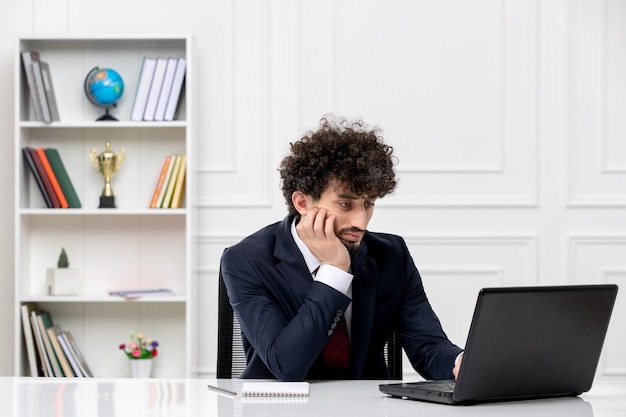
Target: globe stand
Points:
(106, 117)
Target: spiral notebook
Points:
(275, 389)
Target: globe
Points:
(104, 88)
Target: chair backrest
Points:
(231, 358)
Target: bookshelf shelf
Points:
(130, 246)
(100, 212)
(102, 125)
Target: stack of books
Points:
(51, 177)
(159, 89)
(170, 185)
(51, 351)
(39, 81)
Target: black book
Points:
(29, 160)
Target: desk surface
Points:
(38, 397)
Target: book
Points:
(27, 66)
(53, 333)
(65, 345)
(166, 88)
(155, 89)
(78, 355)
(143, 88)
(166, 181)
(44, 178)
(160, 181)
(131, 294)
(41, 90)
(46, 369)
(49, 90)
(175, 92)
(275, 389)
(31, 164)
(62, 176)
(44, 320)
(171, 183)
(180, 183)
(52, 177)
(29, 339)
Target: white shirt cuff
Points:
(335, 278)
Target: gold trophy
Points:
(107, 163)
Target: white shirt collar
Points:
(311, 261)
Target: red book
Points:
(44, 178)
(53, 178)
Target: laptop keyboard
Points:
(436, 386)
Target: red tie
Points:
(336, 353)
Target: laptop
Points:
(525, 343)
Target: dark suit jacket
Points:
(285, 315)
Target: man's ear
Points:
(302, 202)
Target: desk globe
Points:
(104, 88)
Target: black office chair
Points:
(231, 358)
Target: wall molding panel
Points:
(597, 89)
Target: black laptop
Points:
(525, 343)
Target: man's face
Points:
(352, 213)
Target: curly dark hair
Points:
(349, 152)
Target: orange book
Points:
(53, 178)
(160, 181)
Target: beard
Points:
(353, 247)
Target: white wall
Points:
(507, 117)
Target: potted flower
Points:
(63, 280)
(140, 350)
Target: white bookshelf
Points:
(130, 246)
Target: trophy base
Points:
(107, 202)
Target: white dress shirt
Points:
(327, 274)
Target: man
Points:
(295, 283)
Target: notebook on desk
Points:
(525, 343)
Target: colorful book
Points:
(168, 80)
(62, 176)
(177, 86)
(155, 89)
(49, 90)
(78, 354)
(41, 90)
(44, 320)
(27, 63)
(52, 177)
(180, 183)
(44, 178)
(171, 184)
(160, 181)
(143, 88)
(65, 345)
(53, 333)
(168, 175)
(46, 368)
(131, 294)
(29, 338)
(33, 168)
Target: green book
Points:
(64, 179)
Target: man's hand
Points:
(457, 367)
(317, 230)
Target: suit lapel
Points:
(291, 264)
(363, 302)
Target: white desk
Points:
(61, 397)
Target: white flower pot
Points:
(140, 368)
(63, 281)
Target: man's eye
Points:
(344, 205)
